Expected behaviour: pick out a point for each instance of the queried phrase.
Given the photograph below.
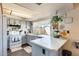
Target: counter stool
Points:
(66, 53)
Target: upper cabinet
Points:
(21, 24)
(29, 26)
(17, 22)
(13, 22)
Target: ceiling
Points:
(32, 11)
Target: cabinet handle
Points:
(43, 51)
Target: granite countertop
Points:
(48, 43)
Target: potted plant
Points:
(55, 21)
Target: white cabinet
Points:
(18, 22)
(13, 22)
(40, 51)
(23, 25)
(24, 39)
(36, 50)
(29, 26)
(28, 38)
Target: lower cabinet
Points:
(24, 39)
(29, 38)
(40, 51)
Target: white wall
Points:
(74, 32)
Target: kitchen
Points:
(32, 31)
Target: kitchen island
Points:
(47, 47)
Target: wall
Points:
(74, 32)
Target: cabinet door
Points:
(37, 50)
(40, 51)
(29, 39)
(24, 39)
(12, 21)
(51, 53)
(8, 21)
(17, 22)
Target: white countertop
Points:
(34, 34)
(46, 42)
